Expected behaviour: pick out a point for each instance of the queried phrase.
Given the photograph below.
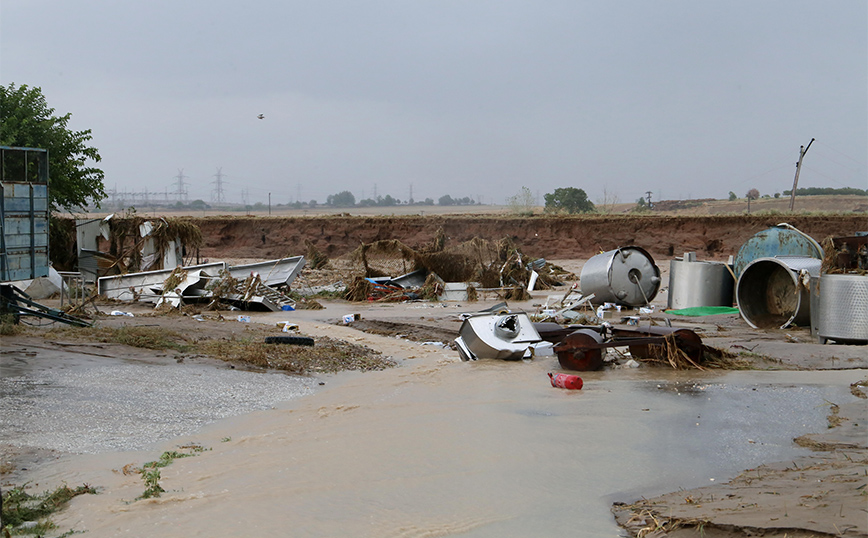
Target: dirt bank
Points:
(712, 237)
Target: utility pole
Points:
(802, 151)
(269, 204)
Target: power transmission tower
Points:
(802, 151)
(218, 190)
(410, 200)
(648, 197)
(182, 188)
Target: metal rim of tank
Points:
(779, 240)
(770, 295)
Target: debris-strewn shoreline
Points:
(824, 494)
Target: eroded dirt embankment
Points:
(551, 237)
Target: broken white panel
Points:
(456, 291)
(273, 272)
(149, 253)
(148, 285)
(105, 228)
(533, 278)
(146, 228)
(173, 257)
(87, 234)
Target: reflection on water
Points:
(472, 449)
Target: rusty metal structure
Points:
(583, 347)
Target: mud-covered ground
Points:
(820, 495)
(562, 237)
(825, 494)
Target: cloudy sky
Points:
(473, 98)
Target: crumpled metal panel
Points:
(504, 336)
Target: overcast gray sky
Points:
(684, 98)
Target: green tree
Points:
(28, 121)
(446, 200)
(732, 196)
(569, 199)
(341, 199)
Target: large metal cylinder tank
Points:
(693, 283)
(626, 276)
(775, 242)
(843, 309)
(774, 292)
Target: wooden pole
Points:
(802, 151)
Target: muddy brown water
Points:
(438, 447)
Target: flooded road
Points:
(444, 448)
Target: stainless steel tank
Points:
(774, 292)
(843, 309)
(693, 283)
(626, 276)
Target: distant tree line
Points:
(819, 191)
(347, 199)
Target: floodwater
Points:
(438, 447)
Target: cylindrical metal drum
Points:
(843, 315)
(626, 276)
(693, 283)
(776, 242)
(773, 292)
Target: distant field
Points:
(804, 204)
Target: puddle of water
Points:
(473, 449)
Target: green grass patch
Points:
(150, 472)
(24, 514)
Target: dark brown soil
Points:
(562, 237)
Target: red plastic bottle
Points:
(566, 381)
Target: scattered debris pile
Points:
(134, 244)
(256, 286)
(389, 270)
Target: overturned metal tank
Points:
(693, 283)
(774, 292)
(843, 309)
(496, 336)
(775, 242)
(626, 276)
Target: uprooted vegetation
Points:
(498, 266)
(328, 355)
(24, 513)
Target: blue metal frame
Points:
(24, 217)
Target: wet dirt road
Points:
(438, 447)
